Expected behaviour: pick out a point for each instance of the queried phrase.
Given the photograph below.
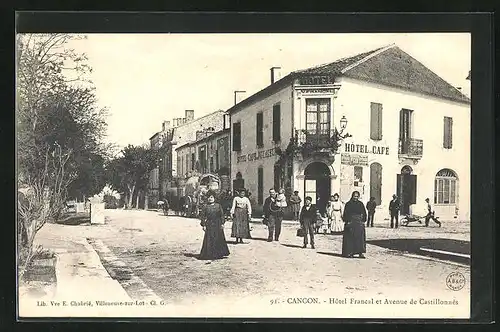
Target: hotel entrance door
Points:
(406, 189)
(317, 184)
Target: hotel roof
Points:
(388, 65)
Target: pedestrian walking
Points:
(394, 207)
(274, 216)
(307, 220)
(295, 205)
(334, 212)
(354, 239)
(370, 207)
(430, 214)
(212, 220)
(241, 212)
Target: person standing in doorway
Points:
(370, 207)
(241, 212)
(307, 219)
(430, 214)
(354, 239)
(334, 213)
(295, 204)
(274, 216)
(394, 207)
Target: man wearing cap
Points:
(430, 214)
(394, 211)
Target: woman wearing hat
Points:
(212, 220)
(241, 211)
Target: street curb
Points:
(120, 272)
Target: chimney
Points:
(165, 125)
(275, 74)
(174, 122)
(189, 114)
(238, 96)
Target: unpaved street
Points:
(161, 251)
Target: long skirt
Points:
(354, 239)
(240, 226)
(214, 244)
(337, 223)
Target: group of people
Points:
(348, 219)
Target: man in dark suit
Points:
(274, 216)
(394, 207)
(307, 220)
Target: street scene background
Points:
(91, 245)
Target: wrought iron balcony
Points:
(411, 148)
(315, 139)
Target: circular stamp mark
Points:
(455, 281)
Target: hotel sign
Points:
(256, 155)
(354, 159)
(316, 80)
(362, 148)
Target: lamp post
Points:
(343, 126)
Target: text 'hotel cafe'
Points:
(379, 122)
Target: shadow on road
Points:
(191, 255)
(74, 219)
(259, 239)
(449, 249)
(334, 254)
(291, 245)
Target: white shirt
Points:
(241, 202)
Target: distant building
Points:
(175, 133)
(209, 153)
(410, 135)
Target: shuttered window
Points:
(260, 185)
(260, 129)
(237, 136)
(448, 128)
(276, 123)
(376, 121)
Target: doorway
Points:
(406, 189)
(317, 184)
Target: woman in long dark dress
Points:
(212, 220)
(354, 238)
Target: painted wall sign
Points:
(256, 155)
(354, 159)
(316, 80)
(311, 91)
(362, 148)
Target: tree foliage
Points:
(59, 129)
(129, 173)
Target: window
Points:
(318, 117)
(448, 137)
(193, 160)
(187, 164)
(445, 187)
(260, 130)
(376, 121)
(260, 185)
(276, 123)
(211, 164)
(358, 175)
(277, 177)
(237, 136)
(405, 130)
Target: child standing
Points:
(281, 199)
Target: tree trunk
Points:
(146, 201)
(137, 199)
(131, 196)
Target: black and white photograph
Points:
(220, 175)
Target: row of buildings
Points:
(409, 134)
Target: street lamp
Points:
(343, 126)
(343, 122)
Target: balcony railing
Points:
(318, 139)
(411, 147)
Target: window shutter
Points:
(259, 128)
(447, 134)
(237, 136)
(276, 123)
(376, 121)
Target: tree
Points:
(129, 173)
(59, 127)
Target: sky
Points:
(145, 79)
